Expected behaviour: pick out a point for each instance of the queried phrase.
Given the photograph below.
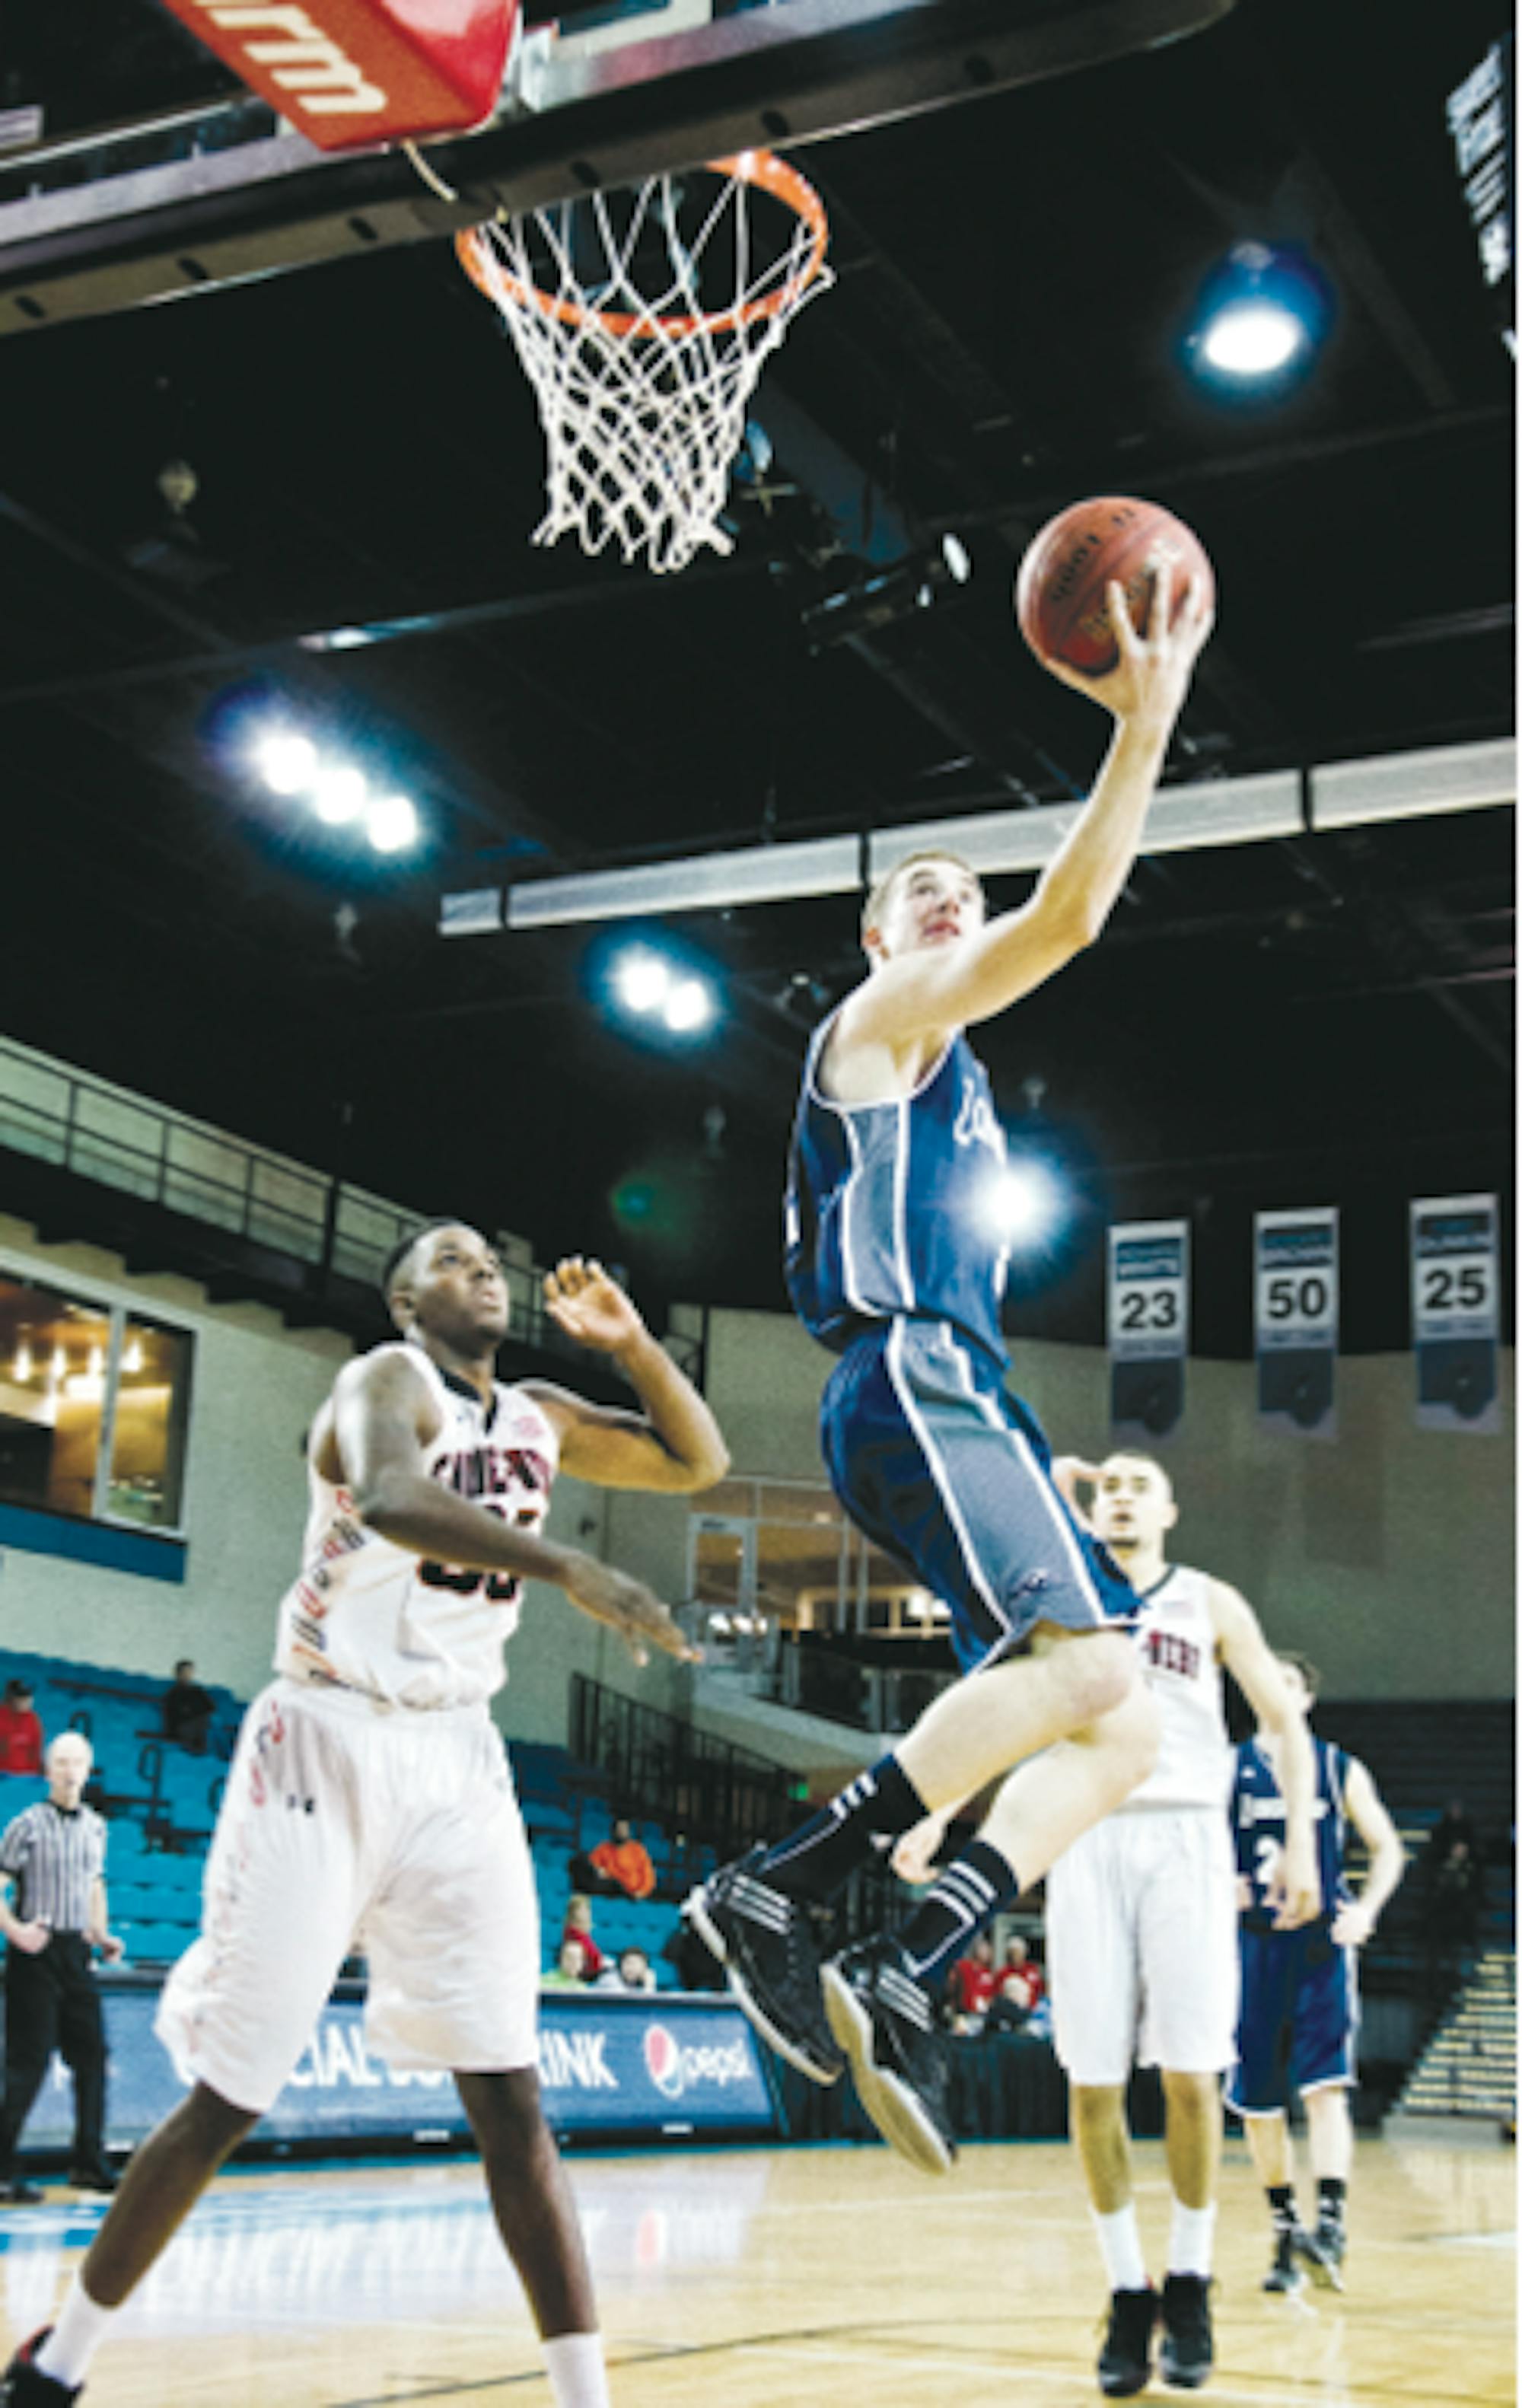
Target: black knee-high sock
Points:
(1282, 2206)
(969, 1894)
(1332, 2199)
(819, 1859)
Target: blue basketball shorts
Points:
(940, 1467)
(1299, 2021)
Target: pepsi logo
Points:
(662, 2061)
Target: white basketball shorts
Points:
(1141, 1945)
(345, 1826)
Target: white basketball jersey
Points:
(1177, 1639)
(372, 1616)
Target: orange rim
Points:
(762, 168)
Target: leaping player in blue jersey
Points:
(894, 1261)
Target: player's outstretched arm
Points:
(675, 1443)
(1070, 1475)
(1357, 1917)
(1295, 1893)
(913, 1856)
(916, 994)
(385, 1415)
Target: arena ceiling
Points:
(1324, 1017)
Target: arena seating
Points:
(160, 1803)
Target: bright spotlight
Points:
(958, 558)
(339, 794)
(287, 763)
(641, 980)
(1022, 1204)
(390, 822)
(689, 1006)
(1253, 338)
(1261, 316)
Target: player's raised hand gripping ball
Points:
(1060, 593)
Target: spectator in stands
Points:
(20, 1730)
(55, 1855)
(633, 1971)
(1453, 1827)
(1453, 1914)
(971, 1985)
(188, 1710)
(578, 1927)
(570, 1970)
(618, 1867)
(1020, 1978)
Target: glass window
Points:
(783, 1550)
(148, 1434)
(71, 1372)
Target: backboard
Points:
(175, 201)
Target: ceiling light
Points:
(869, 603)
(641, 980)
(688, 1007)
(1253, 338)
(390, 822)
(286, 762)
(1261, 316)
(20, 1369)
(339, 793)
(1022, 1204)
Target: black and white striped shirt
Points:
(55, 1860)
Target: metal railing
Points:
(703, 1789)
(100, 1132)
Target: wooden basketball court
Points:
(801, 2278)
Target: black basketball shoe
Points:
(886, 2025)
(762, 1939)
(1188, 2350)
(101, 2178)
(1322, 2253)
(1285, 2273)
(1125, 2360)
(23, 2384)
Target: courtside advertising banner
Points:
(1456, 1312)
(1149, 1325)
(1295, 1308)
(666, 2064)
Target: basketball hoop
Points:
(643, 323)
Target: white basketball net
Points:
(643, 393)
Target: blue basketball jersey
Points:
(893, 1208)
(1258, 1824)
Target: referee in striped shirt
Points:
(53, 1857)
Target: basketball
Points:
(1060, 596)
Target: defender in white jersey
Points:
(369, 1799)
(1141, 1923)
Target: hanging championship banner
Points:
(1456, 1312)
(1149, 1325)
(1296, 1318)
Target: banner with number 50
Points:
(1149, 1325)
(1456, 1312)
(1296, 1317)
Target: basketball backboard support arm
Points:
(584, 115)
